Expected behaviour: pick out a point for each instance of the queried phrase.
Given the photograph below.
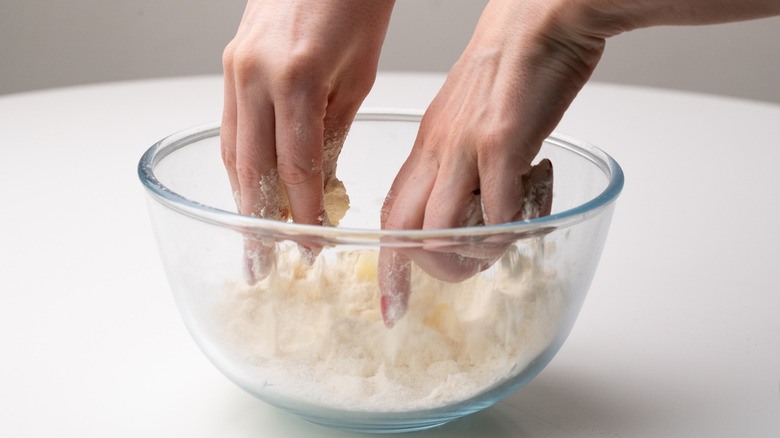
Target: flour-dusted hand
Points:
(295, 75)
(297, 71)
(524, 65)
(503, 97)
(454, 261)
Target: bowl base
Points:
(371, 426)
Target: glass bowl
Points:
(309, 338)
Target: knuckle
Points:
(228, 55)
(244, 62)
(393, 217)
(296, 79)
(403, 222)
(396, 222)
(299, 63)
(304, 69)
(247, 174)
(228, 157)
(294, 171)
(496, 140)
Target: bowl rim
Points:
(174, 201)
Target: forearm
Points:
(635, 14)
(578, 29)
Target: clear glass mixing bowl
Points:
(310, 339)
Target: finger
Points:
(446, 266)
(245, 135)
(299, 136)
(258, 180)
(394, 275)
(502, 189)
(440, 258)
(260, 193)
(499, 200)
(526, 197)
(341, 111)
(535, 201)
(538, 191)
(257, 255)
(451, 204)
(299, 148)
(452, 201)
(404, 208)
(258, 258)
(518, 195)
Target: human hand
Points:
(454, 258)
(295, 75)
(525, 63)
(501, 99)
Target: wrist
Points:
(530, 31)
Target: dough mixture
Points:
(315, 332)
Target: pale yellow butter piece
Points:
(365, 268)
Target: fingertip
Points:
(393, 309)
(394, 276)
(258, 262)
(537, 191)
(309, 253)
(258, 256)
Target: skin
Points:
(297, 71)
(295, 75)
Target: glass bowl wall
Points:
(310, 339)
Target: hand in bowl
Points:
(298, 70)
(501, 99)
(456, 260)
(295, 75)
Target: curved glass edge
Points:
(239, 222)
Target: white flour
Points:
(315, 333)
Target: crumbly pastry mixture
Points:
(315, 332)
(336, 200)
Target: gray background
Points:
(52, 43)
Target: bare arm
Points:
(524, 65)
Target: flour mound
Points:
(314, 333)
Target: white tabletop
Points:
(679, 336)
